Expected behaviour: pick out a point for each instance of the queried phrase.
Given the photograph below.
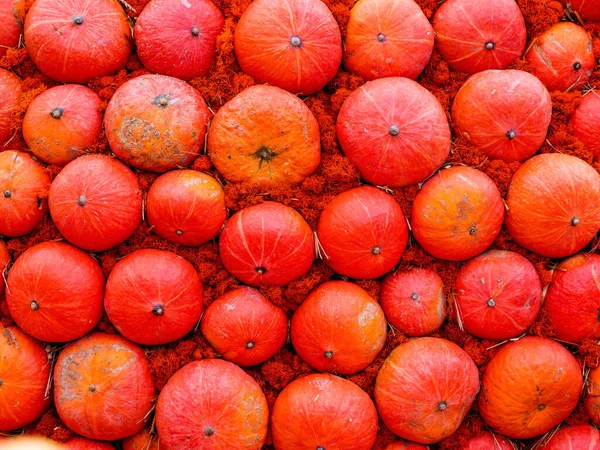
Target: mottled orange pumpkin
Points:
(142, 440)
(12, 14)
(591, 401)
(579, 437)
(10, 89)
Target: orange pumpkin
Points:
(554, 205)
(142, 440)
(62, 123)
(79, 443)
(457, 214)
(425, 388)
(529, 386)
(324, 412)
(586, 122)
(31, 443)
(405, 445)
(24, 375)
(591, 401)
(265, 136)
(10, 90)
(579, 437)
(4, 263)
(488, 441)
(589, 10)
(94, 379)
(12, 14)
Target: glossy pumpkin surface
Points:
(580, 437)
(10, 89)
(12, 15)
(586, 121)
(488, 441)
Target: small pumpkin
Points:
(488, 441)
(142, 440)
(79, 443)
(580, 437)
(12, 15)
(10, 90)
(591, 401)
(586, 122)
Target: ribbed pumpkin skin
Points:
(554, 205)
(79, 443)
(588, 9)
(211, 404)
(586, 121)
(579, 437)
(10, 89)
(488, 441)
(591, 401)
(323, 410)
(142, 440)
(12, 15)
(24, 371)
(529, 386)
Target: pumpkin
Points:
(186, 207)
(457, 214)
(488, 441)
(295, 45)
(142, 440)
(257, 138)
(73, 42)
(55, 292)
(268, 244)
(363, 233)
(413, 301)
(95, 202)
(387, 38)
(10, 90)
(156, 123)
(211, 404)
(591, 402)
(586, 122)
(589, 10)
(325, 412)
(178, 39)
(24, 372)
(94, 379)
(394, 131)
(79, 443)
(244, 327)
(554, 205)
(563, 57)
(498, 295)
(405, 445)
(529, 386)
(504, 114)
(24, 185)
(473, 36)
(31, 443)
(338, 328)
(12, 14)
(153, 297)
(580, 437)
(4, 263)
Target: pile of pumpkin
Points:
(392, 130)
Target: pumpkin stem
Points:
(394, 130)
(249, 345)
(78, 20)
(158, 310)
(81, 200)
(577, 65)
(195, 31)
(296, 42)
(414, 297)
(541, 407)
(261, 270)
(328, 354)
(511, 134)
(7, 193)
(381, 37)
(489, 45)
(178, 232)
(264, 154)
(491, 302)
(320, 447)
(376, 250)
(161, 100)
(209, 431)
(575, 221)
(92, 388)
(34, 305)
(442, 405)
(57, 113)
(472, 230)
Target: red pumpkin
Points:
(24, 184)
(405, 445)
(413, 301)
(589, 10)
(473, 36)
(580, 437)
(244, 327)
(153, 297)
(142, 440)
(62, 123)
(156, 123)
(363, 233)
(186, 207)
(498, 295)
(586, 122)
(94, 379)
(457, 214)
(4, 263)
(73, 42)
(55, 292)
(425, 388)
(325, 412)
(488, 441)
(295, 45)
(211, 404)
(554, 205)
(95, 202)
(12, 14)
(387, 38)
(255, 138)
(591, 402)
(24, 371)
(79, 443)
(394, 131)
(190, 27)
(268, 244)
(529, 386)
(338, 328)
(563, 57)
(504, 114)
(10, 89)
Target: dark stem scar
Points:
(264, 155)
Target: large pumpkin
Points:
(338, 328)
(363, 233)
(268, 244)
(425, 388)
(579, 437)
(79, 443)
(265, 136)
(211, 404)
(324, 412)
(591, 402)
(504, 114)
(94, 379)
(473, 36)
(457, 214)
(394, 131)
(589, 10)
(186, 207)
(96, 202)
(10, 90)
(24, 186)
(62, 123)
(244, 327)
(145, 439)
(153, 297)
(24, 372)
(73, 42)
(388, 38)
(178, 38)
(55, 292)
(529, 386)
(488, 441)
(554, 205)
(586, 122)
(295, 45)
(156, 123)
(12, 14)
